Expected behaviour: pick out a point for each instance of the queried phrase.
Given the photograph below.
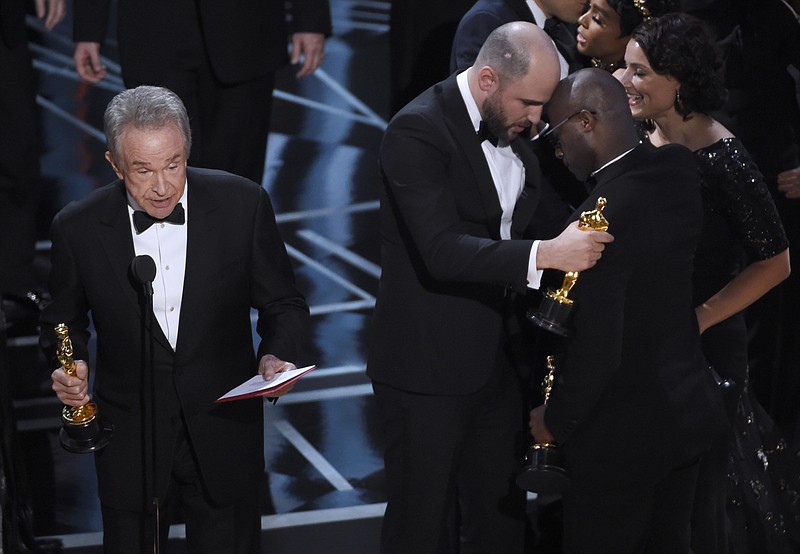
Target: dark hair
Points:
(683, 47)
(631, 16)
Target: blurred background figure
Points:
(19, 195)
(557, 18)
(421, 35)
(20, 148)
(220, 59)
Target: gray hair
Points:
(144, 107)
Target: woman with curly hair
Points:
(674, 81)
(606, 25)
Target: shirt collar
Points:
(469, 101)
(538, 14)
(605, 165)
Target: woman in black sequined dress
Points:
(673, 81)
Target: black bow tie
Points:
(485, 134)
(561, 35)
(551, 25)
(143, 220)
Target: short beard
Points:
(494, 118)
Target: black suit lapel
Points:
(114, 233)
(563, 36)
(203, 232)
(529, 199)
(520, 7)
(620, 167)
(115, 236)
(458, 121)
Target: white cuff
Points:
(534, 273)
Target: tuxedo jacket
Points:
(12, 23)
(633, 395)
(244, 39)
(446, 274)
(235, 260)
(487, 15)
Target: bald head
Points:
(516, 48)
(594, 90)
(597, 125)
(513, 77)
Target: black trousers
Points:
(652, 518)
(450, 464)
(229, 121)
(210, 528)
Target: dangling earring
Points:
(678, 103)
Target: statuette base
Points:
(543, 472)
(89, 437)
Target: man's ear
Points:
(113, 165)
(487, 79)
(587, 121)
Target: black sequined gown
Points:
(741, 226)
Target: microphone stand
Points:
(149, 360)
(143, 269)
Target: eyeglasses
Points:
(546, 130)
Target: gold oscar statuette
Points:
(543, 471)
(81, 430)
(556, 307)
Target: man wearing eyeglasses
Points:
(461, 206)
(635, 405)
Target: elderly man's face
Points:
(153, 167)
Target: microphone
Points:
(143, 269)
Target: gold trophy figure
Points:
(81, 429)
(543, 472)
(556, 307)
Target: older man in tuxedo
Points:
(218, 254)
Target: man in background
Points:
(220, 58)
(19, 156)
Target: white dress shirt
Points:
(166, 244)
(508, 175)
